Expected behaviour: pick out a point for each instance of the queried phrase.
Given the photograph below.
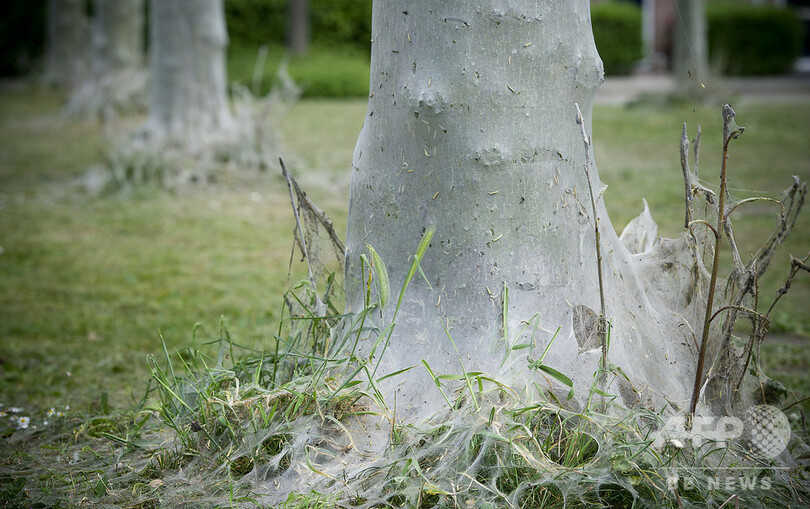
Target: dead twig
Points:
(602, 325)
(696, 145)
(795, 266)
(687, 177)
(728, 135)
(747, 278)
(741, 294)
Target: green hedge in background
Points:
(256, 22)
(333, 22)
(747, 39)
(341, 22)
(337, 64)
(342, 71)
(617, 31)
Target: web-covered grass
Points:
(288, 428)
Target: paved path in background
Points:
(623, 89)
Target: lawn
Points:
(89, 284)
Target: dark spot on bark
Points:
(628, 393)
(585, 325)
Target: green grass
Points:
(87, 284)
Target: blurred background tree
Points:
(67, 43)
(298, 32)
(189, 102)
(116, 77)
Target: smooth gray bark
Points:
(189, 102)
(471, 126)
(690, 47)
(298, 26)
(118, 36)
(67, 43)
(648, 30)
(117, 79)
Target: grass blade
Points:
(381, 273)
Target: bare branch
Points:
(739, 267)
(795, 266)
(792, 203)
(705, 223)
(730, 131)
(752, 200)
(687, 177)
(602, 328)
(696, 148)
(738, 308)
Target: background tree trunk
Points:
(189, 102)
(471, 126)
(117, 35)
(66, 43)
(298, 25)
(690, 47)
(117, 79)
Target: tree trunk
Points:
(690, 47)
(117, 79)
(189, 104)
(298, 26)
(471, 127)
(67, 43)
(117, 36)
